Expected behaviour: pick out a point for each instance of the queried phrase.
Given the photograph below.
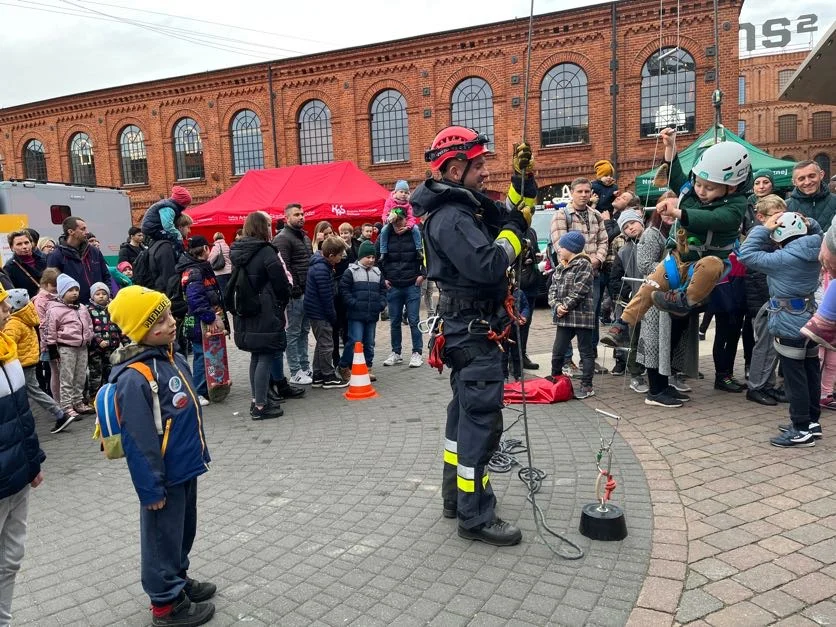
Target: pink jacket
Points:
(391, 204)
(68, 325)
(220, 247)
(41, 300)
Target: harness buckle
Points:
(478, 326)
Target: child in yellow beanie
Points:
(164, 466)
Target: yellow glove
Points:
(523, 159)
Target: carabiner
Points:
(429, 325)
(484, 327)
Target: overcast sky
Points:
(53, 48)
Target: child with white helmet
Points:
(786, 249)
(710, 211)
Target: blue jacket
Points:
(20, 454)
(319, 290)
(363, 292)
(158, 221)
(791, 272)
(201, 291)
(606, 194)
(158, 461)
(86, 265)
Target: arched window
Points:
(82, 165)
(188, 150)
(564, 106)
(133, 157)
(471, 105)
(390, 127)
(34, 160)
(247, 144)
(824, 163)
(316, 140)
(787, 128)
(668, 92)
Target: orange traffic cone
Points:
(360, 386)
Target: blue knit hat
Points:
(401, 186)
(573, 241)
(65, 283)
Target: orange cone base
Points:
(360, 386)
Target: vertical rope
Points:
(527, 72)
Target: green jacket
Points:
(722, 218)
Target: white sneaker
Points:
(301, 378)
(416, 361)
(203, 401)
(308, 372)
(393, 359)
(639, 385)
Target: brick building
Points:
(789, 130)
(380, 105)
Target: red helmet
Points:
(456, 142)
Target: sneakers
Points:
(677, 381)
(199, 592)
(793, 438)
(673, 301)
(639, 385)
(617, 336)
(674, 393)
(317, 380)
(63, 422)
(599, 369)
(763, 398)
(585, 391)
(416, 361)
(828, 402)
(266, 412)
(727, 383)
(571, 370)
(814, 428)
(301, 378)
(619, 368)
(334, 381)
(183, 613)
(662, 399)
(371, 375)
(202, 400)
(497, 533)
(821, 331)
(778, 394)
(345, 373)
(284, 391)
(393, 359)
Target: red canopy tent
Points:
(337, 192)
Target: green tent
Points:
(782, 170)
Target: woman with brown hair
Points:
(257, 297)
(321, 232)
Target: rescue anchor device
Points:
(603, 520)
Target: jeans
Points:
(36, 394)
(298, 327)
(359, 331)
(397, 297)
(323, 364)
(199, 370)
(260, 364)
(13, 512)
(223, 281)
(277, 367)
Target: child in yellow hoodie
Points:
(21, 328)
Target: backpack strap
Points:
(146, 372)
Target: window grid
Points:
(668, 92)
(741, 90)
(34, 160)
(824, 163)
(784, 77)
(822, 126)
(390, 127)
(247, 142)
(316, 140)
(134, 158)
(787, 128)
(472, 106)
(564, 106)
(82, 163)
(188, 150)
(741, 129)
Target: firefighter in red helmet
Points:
(470, 241)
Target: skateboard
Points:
(216, 364)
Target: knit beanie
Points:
(18, 299)
(401, 186)
(125, 265)
(136, 309)
(181, 196)
(98, 285)
(628, 215)
(366, 249)
(65, 284)
(765, 172)
(573, 241)
(603, 168)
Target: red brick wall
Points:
(348, 80)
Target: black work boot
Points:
(184, 613)
(528, 364)
(199, 591)
(497, 533)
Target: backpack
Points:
(108, 422)
(220, 261)
(241, 298)
(142, 269)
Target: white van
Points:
(106, 211)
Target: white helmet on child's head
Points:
(727, 163)
(789, 225)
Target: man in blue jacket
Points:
(75, 257)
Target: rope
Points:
(527, 71)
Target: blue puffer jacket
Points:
(200, 288)
(319, 290)
(85, 264)
(791, 272)
(20, 454)
(363, 292)
(154, 226)
(158, 461)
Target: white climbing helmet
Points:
(790, 224)
(727, 163)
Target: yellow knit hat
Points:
(603, 168)
(136, 309)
